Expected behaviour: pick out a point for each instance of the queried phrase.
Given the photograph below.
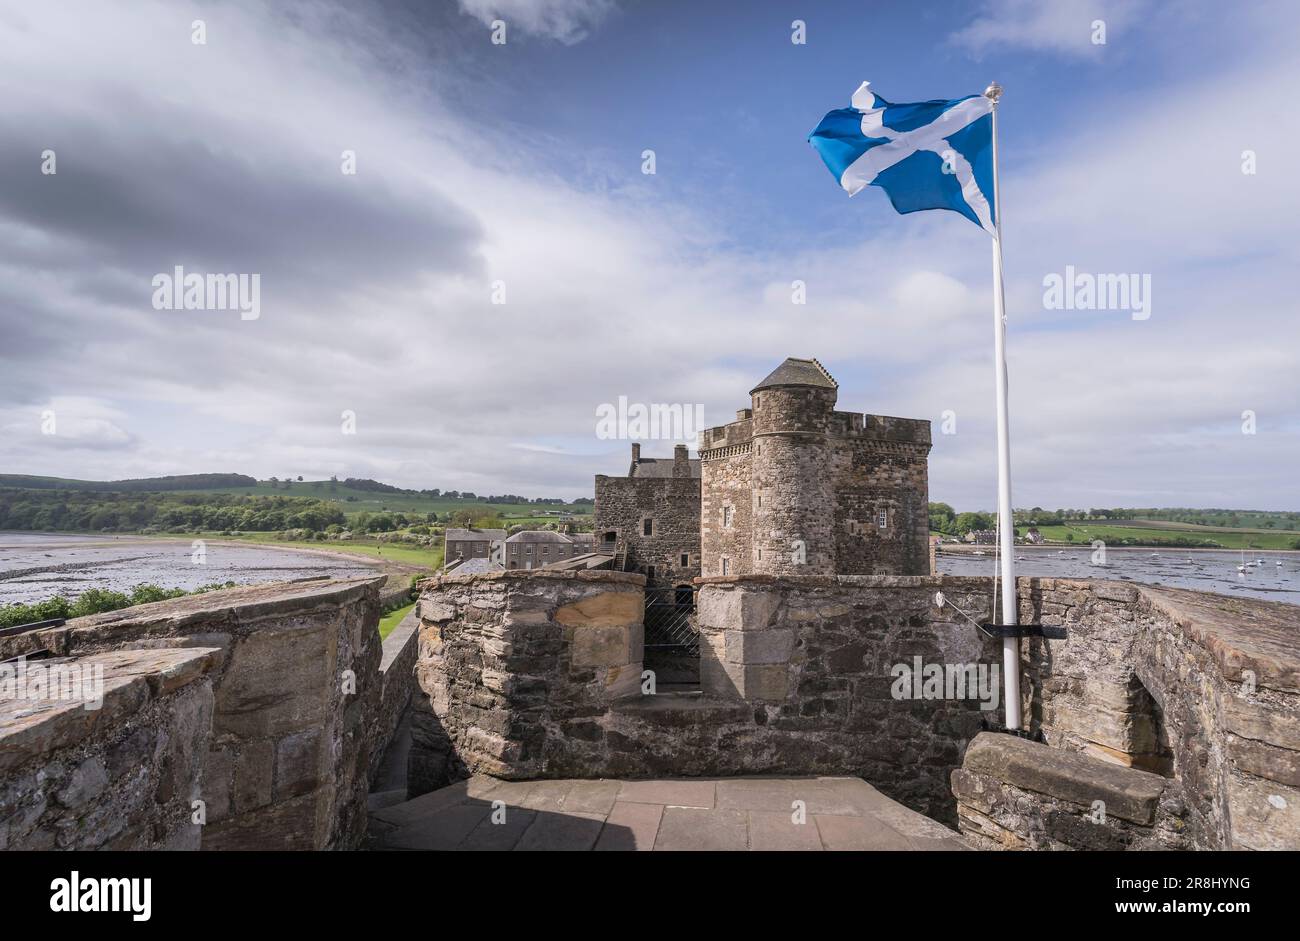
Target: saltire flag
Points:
(925, 155)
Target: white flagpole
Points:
(1006, 526)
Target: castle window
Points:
(650, 572)
(686, 559)
(726, 517)
(724, 565)
(647, 527)
(884, 519)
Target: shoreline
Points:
(395, 571)
(968, 549)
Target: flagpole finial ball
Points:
(993, 92)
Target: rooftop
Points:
(798, 372)
(539, 535)
(475, 535)
(661, 467)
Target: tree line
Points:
(84, 511)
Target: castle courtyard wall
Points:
(799, 677)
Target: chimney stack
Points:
(681, 461)
(636, 452)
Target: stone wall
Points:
(798, 681)
(114, 770)
(1202, 688)
(396, 684)
(515, 666)
(800, 675)
(286, 755)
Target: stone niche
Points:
(512, 665)
(277, 738)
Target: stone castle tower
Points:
(794, 487)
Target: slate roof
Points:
(539, 535)
(798, 372)
(475, 535)
(475, 567)
(662, 467)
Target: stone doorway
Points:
(672, 639)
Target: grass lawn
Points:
(428, 557)
(1085, 532)
(388, 623)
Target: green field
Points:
(1157, 533)
(388, 623)
(428, 557)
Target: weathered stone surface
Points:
(120, 776)
(772, 646)
(1032, 766)
(606, 608)
(1265, 814)
(233, 698)
(596, 645)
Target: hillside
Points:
(135, 485)
(236, 502)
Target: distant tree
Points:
(966, 522)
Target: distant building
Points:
(983, 537)
(649, 521)
(471, 543)
(537, 548)
(1033, 536)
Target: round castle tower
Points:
(794, 506)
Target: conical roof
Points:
(798, 372)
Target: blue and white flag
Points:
(927, 155)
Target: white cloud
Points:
(569, 21)
(1063, 26)
(377, 288)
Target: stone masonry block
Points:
(606, 609)
(770, 683)
(774, 646)
(600, 645)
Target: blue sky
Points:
(521, 164)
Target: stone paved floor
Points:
(673, 814)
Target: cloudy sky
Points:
(518, 168)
